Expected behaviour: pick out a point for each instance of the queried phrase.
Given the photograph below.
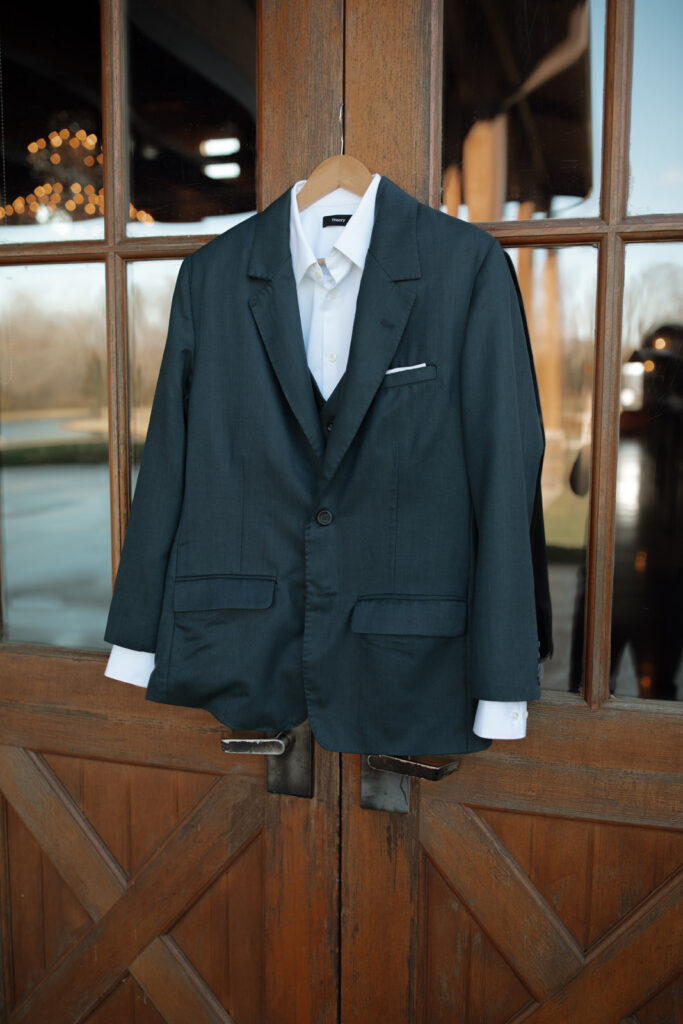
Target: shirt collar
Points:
(354, 240)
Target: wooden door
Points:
(145, 876)
(542, 880)
(148, 877)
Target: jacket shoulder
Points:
(234, 241)
(453, 232)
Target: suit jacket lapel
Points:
(275, 308)
(385, 300)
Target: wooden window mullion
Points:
(115, 144)
(606, 387)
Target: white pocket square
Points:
(396, 369)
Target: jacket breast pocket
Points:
(212, 593)
(409, 615)
(411, 376)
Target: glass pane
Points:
(647, 606)
(559, 288)
(150, 290)
(54, 476)
(656, 155)
(192, 96)
(51, 144)
(522, 108)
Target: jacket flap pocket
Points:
(202, 593)
(419, 616)
(418, 373)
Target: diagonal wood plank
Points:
(490, 882)
(629, 967)
(172, 983)
(227, 817)
(83, 861)
(63, 832)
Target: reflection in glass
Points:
(522, 108)
(54, 477)
(150, 290)
(656, 152)
(558, 287)
(51, 145)
(192, 98)
(647, 604)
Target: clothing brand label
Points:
(335, 220)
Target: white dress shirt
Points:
(327, 289)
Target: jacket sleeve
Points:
(504, 446)
(136, 602)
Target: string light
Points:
(81, 200)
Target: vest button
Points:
(324, 516)
(329, 425)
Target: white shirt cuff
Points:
(501, 720)
(130, 666)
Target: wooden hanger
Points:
(340, 171)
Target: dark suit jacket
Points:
(378, 581)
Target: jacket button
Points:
(324, 517)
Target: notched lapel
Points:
(382, 313)
(385, 300)
(275, 309)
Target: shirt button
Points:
(332, 357)
(515, 714)
(526, 714)
(324, 516)
(317, 275)
(334, 293)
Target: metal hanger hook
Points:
(341, 128)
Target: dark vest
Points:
(327, 410)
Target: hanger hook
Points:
(341, 128)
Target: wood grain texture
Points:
(301, 900)
(67, 837)
(592, 873)
(126, 1004)
(226, 819)
(61, 703)
(80, 858)
(628, 967)
(6, 951)
(381, 865)
(116, 184)
(300, 73)
(165, 974)
(518, 783)
(464, 972)
(666, 1007)
(556, 854)
(606, 382)
(392, 94)
(497, 892)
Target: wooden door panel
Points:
(666, 1006)
(183, 873)
(127, 1002)
(549, 918)
(591, 874)
(462, 966)
(128, 914)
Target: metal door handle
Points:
(289, 754)
(404, 766)
(273, 745)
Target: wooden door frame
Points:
(57, 701)
(330, 52)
